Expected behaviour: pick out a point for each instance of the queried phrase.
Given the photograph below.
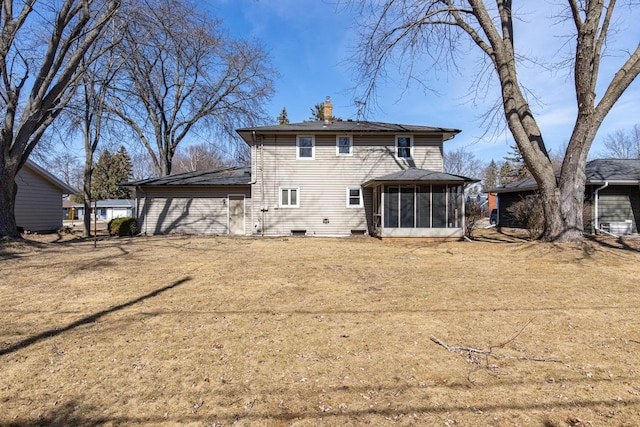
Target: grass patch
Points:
(308, 331)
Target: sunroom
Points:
(418, 203)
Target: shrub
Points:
(529, 212)
(125, 226)
(472, 213)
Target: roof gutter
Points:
(597, 196)
(613, 182)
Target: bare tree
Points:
(197, 157)
(36, 76)
(86, 111)
(142, 164)
(462, 162)
(67, 167)
(623, 145)
(182, 71)
(413, 29)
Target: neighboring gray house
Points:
(39, 199)
(209, 202)
(612, 196)
(317, 179)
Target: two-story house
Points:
(331, 178)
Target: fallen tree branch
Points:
(474, 355)
(459, 347)
(464, 349)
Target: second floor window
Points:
(344, 146)
(404, 147)
(306, 147)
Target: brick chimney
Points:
(328, 111)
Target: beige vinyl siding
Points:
(38, 202)
(189, 210)
(322, 182)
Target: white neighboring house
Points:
(107, 209)
(39, 199)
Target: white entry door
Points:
(236, 214)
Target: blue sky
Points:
(311, 43)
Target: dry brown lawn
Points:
(308, 331)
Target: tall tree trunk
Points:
(86, 193)
(8, 191)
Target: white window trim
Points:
(338, 153)
(410, 146)
(289, 206)
(313, 147)
(361, 204)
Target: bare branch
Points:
(183, 71)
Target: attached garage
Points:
(204, 202)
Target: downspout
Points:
(596, 196)
(254, 179)
(138, 188)
(463, 217)
(254, 166)
(262, 208)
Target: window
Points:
(391, 206)
(289, 197)
(354, 197)
(404, 147)
(439, 206)
(344, 146)
(305, 147)
(422, 206)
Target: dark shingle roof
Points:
(227, 176)
(420, 175)
(347, 126)
(522, 185)
(620, 171)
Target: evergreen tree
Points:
(283, 118)
(506, 174)
(518, 166)
(317, 112)
(491, 174)
(111, 170)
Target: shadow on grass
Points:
(89, 319)
(619, 243)
(76, 414)
(500, 235)
(25, 247)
